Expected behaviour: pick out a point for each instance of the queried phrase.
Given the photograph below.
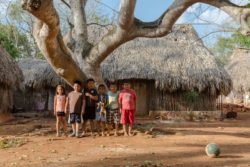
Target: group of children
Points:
(101, 108)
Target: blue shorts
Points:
(75, 118)
(100, 117)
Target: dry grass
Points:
(239, 69)
(178, 61)
(11, 142)
(38, 74)
(10, 74)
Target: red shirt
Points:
(127, 98)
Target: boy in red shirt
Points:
(127, 102)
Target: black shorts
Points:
(61, 114)
(89, 113)
(75, 118)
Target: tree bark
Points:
(49, 39)
(82, 59)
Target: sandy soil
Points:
(172, 144)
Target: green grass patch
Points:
(12, 142)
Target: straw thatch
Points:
(10, 74)
(38, 74)
(10, 77)
(38, 86)
(239, 70)
(177, 62)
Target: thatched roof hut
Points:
(39, 85)
(173, 65)
(239, 70)
(176, 62)
(38, 74)
(10, 73)
(10, 77)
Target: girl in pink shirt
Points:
(59, 109)
(127, 102)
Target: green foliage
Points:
(12, 40)
(94, 17)
(19, 32)
(191, 98)
(15, 11)
(223, 48)
(12, 142)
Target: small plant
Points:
(12, 142)
(190, 99)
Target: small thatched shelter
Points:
(10, 77)
(172, 73)
(239, 70)
(38, 87)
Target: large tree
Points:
(83, 58)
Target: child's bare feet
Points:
(77, 135)
(57, 135)
(72, 135)
(83, 134)
(126, 134)
(103, 134)
(115, 134)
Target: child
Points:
(76, 104)
(101, 111)
(113, 116)
(59, 109)
(127, 102)
(91, 99)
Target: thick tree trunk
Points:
(81, 59)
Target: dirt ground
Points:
(172, 144)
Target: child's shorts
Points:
(113, 116)
(75, 118)
(100, 117)
(128, 117)
(60, 114)
(89, 113)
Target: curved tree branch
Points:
(48, 36)
(79, 33)
(163, 25)
(126, 17)
(116, 36)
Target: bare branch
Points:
(116, 36)
(65, 3)
(80, 33)
(107, 6)
(239, 13)
(48, 36)
(126, 17)
(163, 25)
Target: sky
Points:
(149, 10)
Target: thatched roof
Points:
(177, 62)
(38, 74)
(239, 69)
(10, 74)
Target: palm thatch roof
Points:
(38, 74)
(239, 70)
(177, 62)
(10, 74)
